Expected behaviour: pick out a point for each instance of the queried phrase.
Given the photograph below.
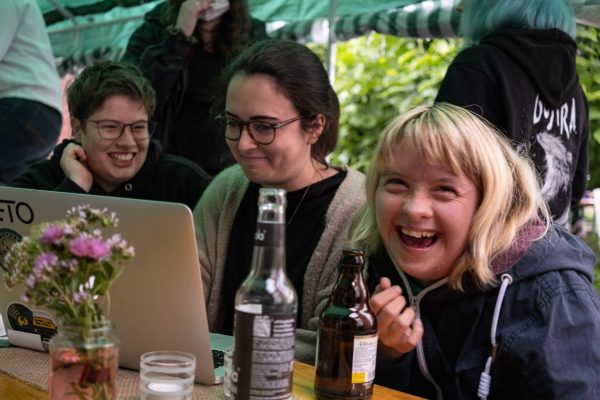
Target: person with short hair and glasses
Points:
(280, 117)
(111, 152)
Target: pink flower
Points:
(45, 260)
(52, 235)
(92, 248)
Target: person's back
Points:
(30, 89)
(520, 75)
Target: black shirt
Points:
(306, 208)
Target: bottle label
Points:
(269, 235)
(263, 359)
(363, 358)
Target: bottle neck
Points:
(350, 288)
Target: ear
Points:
(317, 128)
(76, 129)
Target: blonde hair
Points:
(458, 140)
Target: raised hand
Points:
(73, 164)
(398, 327)
(188, 15)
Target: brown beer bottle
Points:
(347, 336)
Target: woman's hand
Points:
(188, 15)
(398, 328)
(73, 164)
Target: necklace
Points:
(298, 206)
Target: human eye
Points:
(262, 127)
(393, 183)
(109, 126)
(140, 127)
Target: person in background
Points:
(280, 117)
(464, 262)
(519, 73)
(111, 152)
(182, 47)
(30, 89)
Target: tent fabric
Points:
(82, 31)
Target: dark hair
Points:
(104, 79)
(233, 31)
(301, 77)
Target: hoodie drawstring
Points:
(485, 380)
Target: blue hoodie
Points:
(547, 330)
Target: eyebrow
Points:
(254, 117)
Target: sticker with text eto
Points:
(363, 358)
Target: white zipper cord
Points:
(485, 379)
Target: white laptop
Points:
(156, 304)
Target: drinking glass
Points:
(167, 375)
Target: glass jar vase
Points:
(83, 362)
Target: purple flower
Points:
(80, 296)
(52, 235)
(44, 261)
(93, 248)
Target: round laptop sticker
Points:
(8, 237)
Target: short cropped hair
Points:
(104, 79)
(482, 17)
(300, 75)
(455, 138)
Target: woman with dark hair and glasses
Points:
(111, 152)
(280, 117)
(182, 47)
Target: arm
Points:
(9, 23)
(580, 178)
(164, 60)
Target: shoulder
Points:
(230, 183)
(352, 189)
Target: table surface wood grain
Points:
(14, 389)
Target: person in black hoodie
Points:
(111, 153)
(477, 293)
(182, 47)
(519, 74)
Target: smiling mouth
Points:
(415, 238)
(121, 156)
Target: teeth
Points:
(121, 156)
(417, 234)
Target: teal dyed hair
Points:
(482, 17)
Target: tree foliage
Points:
(379, 77)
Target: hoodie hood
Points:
(557, 250)
(546, 56)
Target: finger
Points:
(388, 314)
(380, 299)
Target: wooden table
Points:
(13, 389)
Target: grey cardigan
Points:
(213, 218)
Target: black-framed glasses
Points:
(261, 132)
(112, 130)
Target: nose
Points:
(127, 136)
(246, 141)
(417, 205)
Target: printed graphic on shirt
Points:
(553, 130)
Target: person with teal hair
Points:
(518, 72)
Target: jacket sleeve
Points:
(164, 60)
(557, 355)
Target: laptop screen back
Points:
(157, 303)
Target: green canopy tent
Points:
(82, 31)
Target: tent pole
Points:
(331, 48)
